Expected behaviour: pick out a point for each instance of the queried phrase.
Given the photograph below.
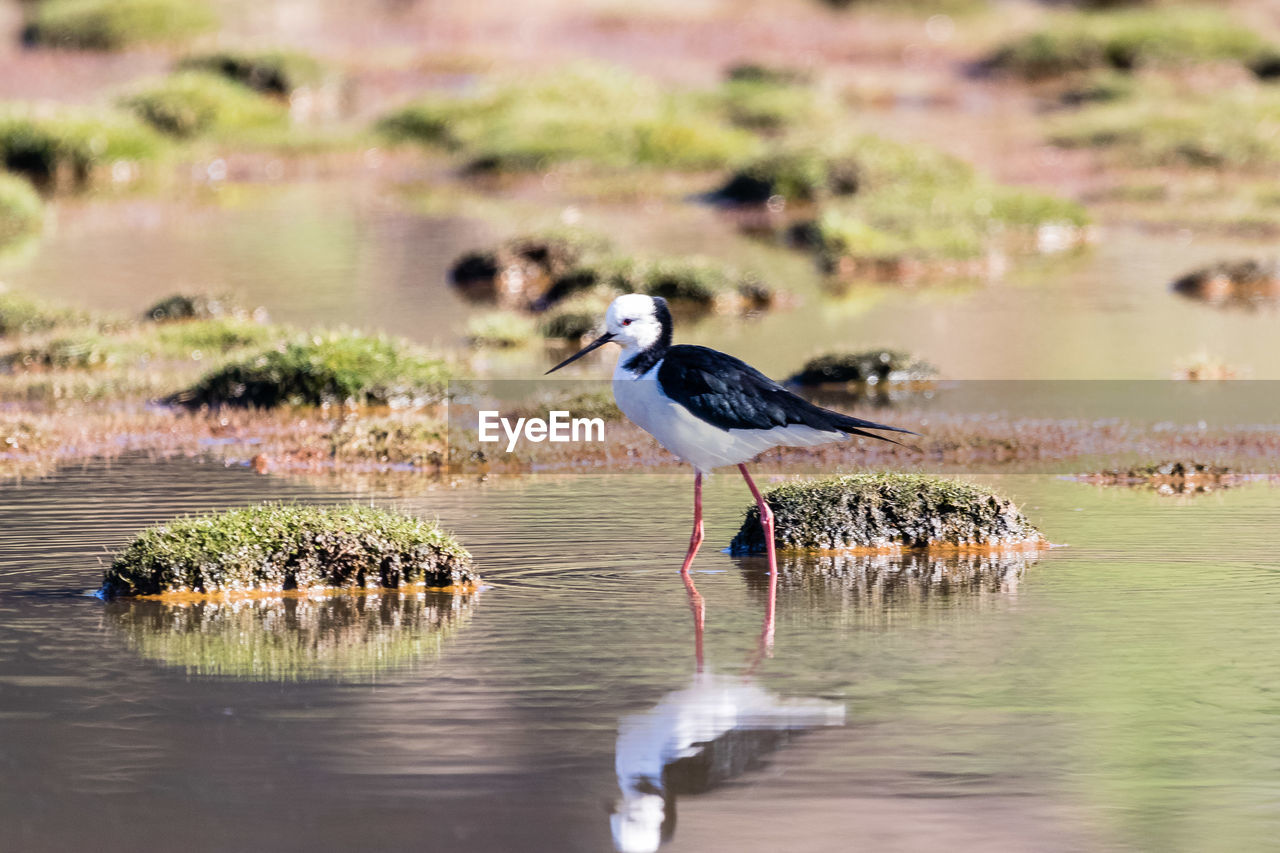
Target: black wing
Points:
(731, 394)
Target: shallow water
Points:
(1113, 694)
(375, 254)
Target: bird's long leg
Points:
(696, 538)
(695, 598)
(766, 524)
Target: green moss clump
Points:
(271, 72)
(886, 511)
(689, 284)
(869, 366)
(577, 316)
(346, 637)
(24, 315)
(519, 271)
(1234, 129)
(500, 330)
(275, 547)
(1130, 39)
(71, 144)
(21, 211)
(597, 115)
(193, 103)
(117, 24)
(334, 369)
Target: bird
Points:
(709, 408)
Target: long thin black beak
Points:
(598, 342)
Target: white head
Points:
(637, 321)
(634, 321)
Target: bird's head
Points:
(634, 321)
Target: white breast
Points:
(697, 442)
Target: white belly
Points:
(697, 442)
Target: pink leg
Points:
(696, 538)
(766, 524)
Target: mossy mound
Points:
(278, 547)
(576, 316)
(867, 367)
(594, 114)
(192, 103)
(21, 210)
(691, 284)
(336, 369)
(872, 511)
(1127, 40)
(116, 24)
(767, 103)
(195, 306)
(69, 145)
(24, 315)
(270, 72)
(1245, 283)
(294, 638)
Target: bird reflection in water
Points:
(701, 737)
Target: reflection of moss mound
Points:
(116, 24)
(336, 369)
(870, 366)
(280, 547)
(895, 579)
(886, 511)
(349, 637)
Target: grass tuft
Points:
(194, 103)
(69, 145)
(598, 115)
(333, 369)
(24, 315)
(276, 547)
(1126, 40)
(500, 330)
(117, 24)
(869, 367)
(271, 72)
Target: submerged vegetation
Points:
(599, 115)
(341, 368)
(116, 24)
(886, 511)
(278, 547)
(192, 103)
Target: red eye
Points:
(626, 322)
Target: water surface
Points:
(1115, 694)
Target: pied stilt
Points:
(708, 408)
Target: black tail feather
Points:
(857, 426)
